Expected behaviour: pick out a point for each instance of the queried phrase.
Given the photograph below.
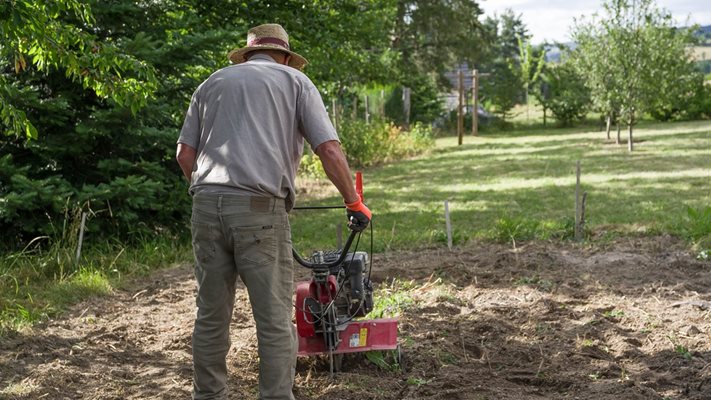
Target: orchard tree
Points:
(568, 98)
(626, 53)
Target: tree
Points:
(568, 97)
(433, 35)
(530, 67)
(626, 53)
(34, 36)
(92, 152)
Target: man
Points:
(240, 147)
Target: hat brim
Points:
(238, 56)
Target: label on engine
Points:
(359, 339)
(363, 337)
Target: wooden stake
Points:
(81, 236)
(406, 106)
(367, 114)
(460, 109)
(334, 112)
(577, 201)
(448, 223)
(475, 102)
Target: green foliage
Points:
(501, 90)
(379, 141)
(635, 60)
(55, 35)
(568, 98)
(696, 227)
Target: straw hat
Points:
(267, 37)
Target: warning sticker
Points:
(354, 340)
(363, 337)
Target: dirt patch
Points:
(545, 321)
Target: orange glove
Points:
(358, 215)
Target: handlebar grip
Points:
(359, 185)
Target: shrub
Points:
(380, 141)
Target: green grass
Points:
(521, 185)
(504, 186)
(42, 281)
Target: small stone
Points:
(690, 330)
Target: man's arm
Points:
(336, 168)
(186, 159)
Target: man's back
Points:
(248, 123)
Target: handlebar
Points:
(342, 257)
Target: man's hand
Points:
(358, 215)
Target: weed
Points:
(413, 381)
(384, 359)
(541, 284)
(447, 358)
(683, 351)
(613, 314)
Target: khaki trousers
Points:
(248, 237)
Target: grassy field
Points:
(507, 186)
(521, 185)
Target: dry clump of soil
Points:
(629, 320)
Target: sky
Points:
(552, 20)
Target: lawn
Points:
(521, 185)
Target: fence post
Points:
(460, 109)
(367, 113)
(81, 236)
(448, 223)
(406, 106)
(578, 234)
(475, 102)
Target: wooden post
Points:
(475, 103)
(406, 107)
(460, 109)
(448, 224)
(81, 236)
(334, 112)
(577, 200)
(367, 114)
(382, 103)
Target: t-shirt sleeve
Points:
(314, 122)
(190, 133)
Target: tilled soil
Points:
(628, 320)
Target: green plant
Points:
(384, 359)
(613, 314)
(414, 381)
(683, 351)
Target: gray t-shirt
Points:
(248, 123)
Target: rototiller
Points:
(330, 307)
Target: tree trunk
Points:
(544, 117)
(609, 122)
(617, 141)
(630, 142)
